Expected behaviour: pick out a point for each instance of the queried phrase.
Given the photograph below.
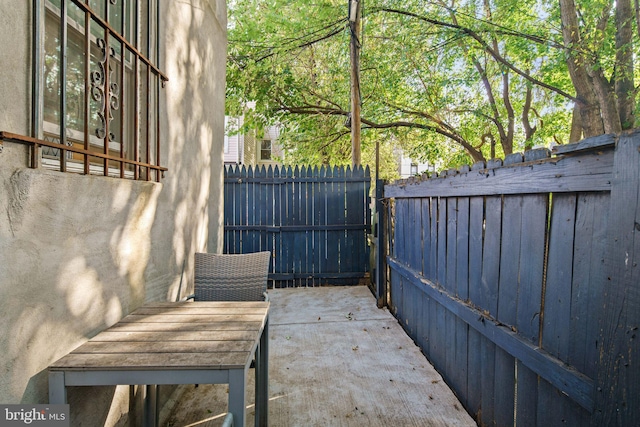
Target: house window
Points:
(414, 169)
(265, 149)
(101, 89)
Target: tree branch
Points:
(475, 36)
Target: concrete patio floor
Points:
(335, 359)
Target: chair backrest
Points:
(230, 277)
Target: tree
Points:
(600, 49)
(454, 81)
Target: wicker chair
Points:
(227, 277)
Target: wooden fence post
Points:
(380, 238)
(617, 399)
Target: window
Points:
(98, 109)
(265, 149)
(414, 169)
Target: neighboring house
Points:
(91, 232)
(409, 167)
(249, 149)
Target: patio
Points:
(335, 360)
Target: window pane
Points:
(129, 21)
(115, 15)
(143, 28)
(52, 68)
(153, 33)
(143, 131)
(152, 123)
(75, 70)
(128, 106)
(98, 7)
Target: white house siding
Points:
(77, 252)
(404, 166)
(233, 153)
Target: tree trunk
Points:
(588, 105)
(576, 125)
(625, 92)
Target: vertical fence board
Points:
(450, 282)
(416, 244)
(325, 203)
(247, 214)
(491, 255)
(287, 220)
(618, 378)
(415, 254)
(442, 336)
(436, 324)
(402, 246)
(317, 210)
(462, 249)
(489, 284)
(452, 374)
(425, 228)
(296, 240)
(587, 288)
(424, 327)
(278, 217)
(433, 251)
(531, 270)
(308, 234)
(340, 203)
(240, 213)
(441, 258)
(462, 281)
(557, 302)
(228, 208)
(365, 197)
(527, 393)
(333, 239)
(510, 259)
(353, 215)
(260, 234)
(474, 383)
(300, 237)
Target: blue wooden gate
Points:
(314, 221)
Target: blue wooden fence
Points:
(520, 282)
(313, 220)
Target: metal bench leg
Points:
(262, 379)
(237, 396)
(57, 390)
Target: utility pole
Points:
(355, 11)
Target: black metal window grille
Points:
(97, 87)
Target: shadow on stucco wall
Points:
(196, 92)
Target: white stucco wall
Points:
(79, 252)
